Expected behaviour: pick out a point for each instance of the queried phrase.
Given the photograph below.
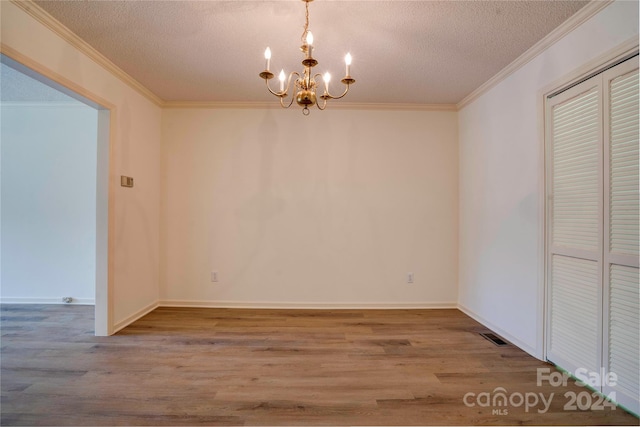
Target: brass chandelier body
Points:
(305, 85)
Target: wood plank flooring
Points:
(181, 366)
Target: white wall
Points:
(48, 202)
(336, 207)
(501, 176)
(327, 210)
(135, 151)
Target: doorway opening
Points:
(54, 192)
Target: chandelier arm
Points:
(341, 96)
(291, 74)
(283, 104)
(324, 104)
(279, 94)
(282, 94)
(326, 93)
(318, 76)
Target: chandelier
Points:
(305, 84)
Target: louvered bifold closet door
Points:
(621, 279)
(575, 229)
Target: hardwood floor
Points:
(179, 366)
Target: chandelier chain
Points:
(306, 23)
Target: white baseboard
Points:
(76, 301)
(506, 335)
(307, 305)
(135, 316)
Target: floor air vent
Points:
(494, 339)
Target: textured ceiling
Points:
(18, 87)
(424, 52)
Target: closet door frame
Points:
(599, 65)
(608, 59)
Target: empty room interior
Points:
(303, 212)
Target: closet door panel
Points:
(576, 177)
(575, 233)
(624, 343)
(575, 307)
(623, 163)
(621, 340)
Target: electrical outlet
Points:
(214, 276)
(409, 277)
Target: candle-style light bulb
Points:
(327, 79)
(309, 44)
(267, 56)
(347, 61)
(281, 77)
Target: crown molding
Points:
(336, 106)
(42, 16)
(393, 107)
(566, 27)
(58, 28)
(43, 104)
(220, 105)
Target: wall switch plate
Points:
(126, 181)
(409, 277)
(214, 276)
